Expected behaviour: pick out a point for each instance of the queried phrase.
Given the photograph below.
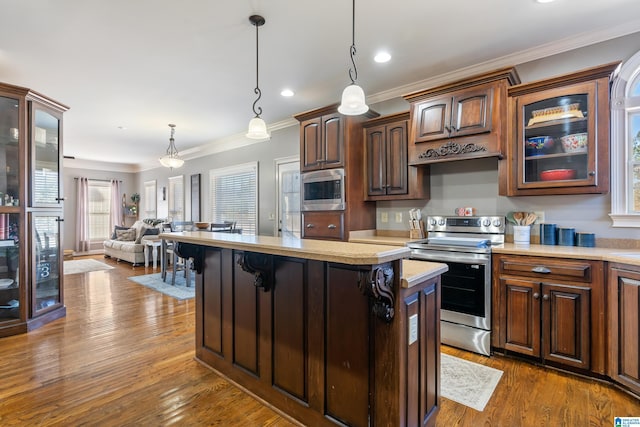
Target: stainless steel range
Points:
(464, 244)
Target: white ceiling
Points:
(142, 64)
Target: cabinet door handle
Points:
(310, 225)
(331, 226)
(536, 295)
(541, 269)
(545, 297)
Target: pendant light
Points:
(353, 103)
(171, 159)
(257, 126)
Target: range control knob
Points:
(497, 223)
(486, 222)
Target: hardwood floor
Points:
(123, 356)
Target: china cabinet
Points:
(387, 171)
(550, 309)
(460, 120)
(31, 278)
(559, 137)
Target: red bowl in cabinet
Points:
(557, 174)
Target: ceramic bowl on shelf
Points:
(575, 143)
(202, 225)
(537, 145)
(557, 174)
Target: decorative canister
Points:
(548, 234)
(566, 236)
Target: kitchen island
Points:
(328, 333)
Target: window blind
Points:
(99, 210)
(234, 196)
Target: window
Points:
(625, 145)
(234, 196)
(176, 198)
(149, 199)
(99, 210)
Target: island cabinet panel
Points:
(315, 340)
(624, 325)
(347, 349)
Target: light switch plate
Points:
(413, 329)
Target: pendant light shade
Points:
(353, 100)
(257, 126)
(172, 158)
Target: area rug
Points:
(154, 281)
(467, 382)
(84, 266)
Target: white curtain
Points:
(115, 210)
(82, 215)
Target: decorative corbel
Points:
(377, 284)
(258, 265)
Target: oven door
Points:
(466, 287)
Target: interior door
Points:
(288, 218)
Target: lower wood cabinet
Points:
(552, 309)
(624, 325)
(305, 336)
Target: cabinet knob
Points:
(331, 226)
(536, 296)
(309, 225)
(545, 297)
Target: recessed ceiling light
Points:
(382, 57)
(286, 92)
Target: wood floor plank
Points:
(124, 356)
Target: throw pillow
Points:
(116, 228)
(128, 235)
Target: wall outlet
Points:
(398, 217)
(540, 217)
(384, 216)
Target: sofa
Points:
(127, 243)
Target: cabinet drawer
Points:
(323, 225)
(546, 269)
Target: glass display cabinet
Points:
(560, 137)
(31, 275)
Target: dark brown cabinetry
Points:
(550, 309)
(330, 140)
(322, 142)
(624, 325)
(460, 120)
(559, 137)
(388, 174)
(31, 277)
(306, 339)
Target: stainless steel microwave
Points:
(323, 190)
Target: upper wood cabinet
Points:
(387, 172)
(322, 142)
(464, 119)
(559, 135)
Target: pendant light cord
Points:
(257, 90)
(353, 73)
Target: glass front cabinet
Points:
(559, 138)
(31, 278)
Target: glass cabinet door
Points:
(45, 156)
(10, 300)
(46, 261)
(557, 138)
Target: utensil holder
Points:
(521, 234)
